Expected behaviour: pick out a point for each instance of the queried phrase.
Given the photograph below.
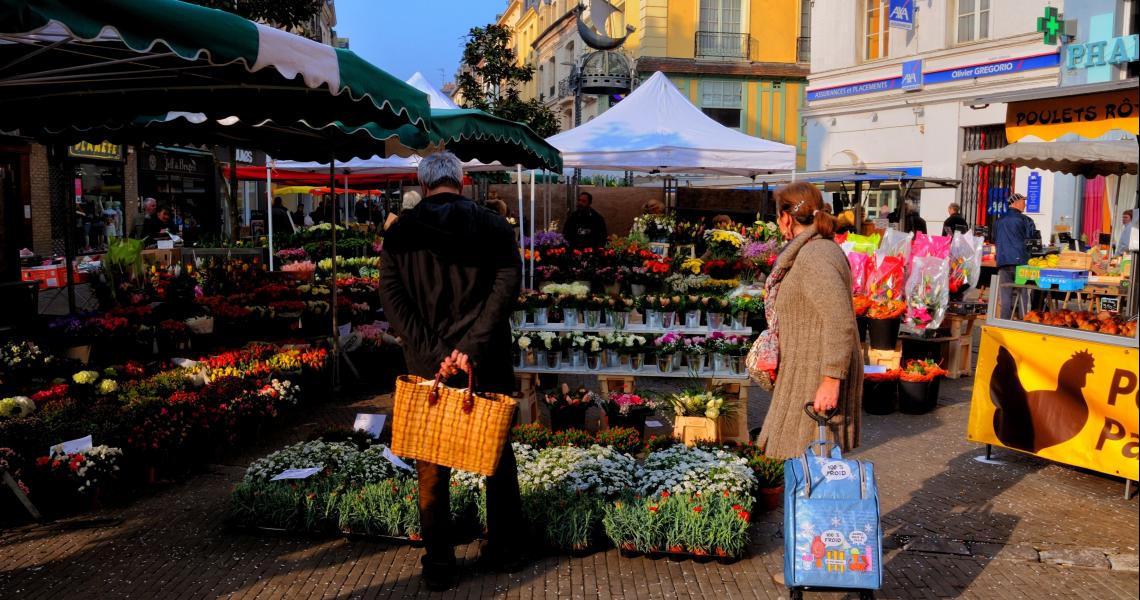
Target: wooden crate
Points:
(891, 359)
(1075, 260)
(961, 360)
(609, 384)
(691, 430)
(734, 428)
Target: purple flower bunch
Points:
(753, 250)
(546, 239)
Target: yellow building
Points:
(743, 62)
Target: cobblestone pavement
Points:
(955, 528)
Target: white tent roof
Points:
(657, 129)
(436, 98)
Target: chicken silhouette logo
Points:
(1034, 420)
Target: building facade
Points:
(743, 62)
(892, 91)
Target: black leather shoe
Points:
(439, 577)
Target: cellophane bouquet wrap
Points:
(896, 243)
(886, 280)
(927, 294)
(929, 245)
(450, 427)
(860, 265)
(863, 244)
(965, 260)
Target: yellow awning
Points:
(1089, 116)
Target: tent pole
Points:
(269, 213)
(333, 308)
(522, 222)
(532, 220)
(231, 210)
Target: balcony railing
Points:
(719, 44)
(565, 88)
(803, 50)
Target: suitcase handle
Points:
(468, 400)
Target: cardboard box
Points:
(891, 359)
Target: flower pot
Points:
(568, 417)
(715, 321)
(698, 363)
(884, 333)
(632, 421)
(519, 359)
(570, 317)
(541, 316)
(593, 318)
(880, 397)
(518, 319)
(667, 319)
(677, 360)
(739, 321)
(918, 397)
(628, 550)
(862, 323)
(652, 318)
(618, 318)
(719, 363)
(677, 553)
(691, 430)
(540, 358)
(577, 358)
(771, 498)
(736, 365)
(553, 359)
(665, 363)
(637, 289)
(692, 319)
(594, 361)
(636, 361)
(613, 359)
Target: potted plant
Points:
(593, 345)
(732, 351)
(884, 323)
(538, 304)
(861, 304)
(524, 343)
(919, 384)
(592, 307)
(635, 347)
(741, 306)
(715, 308)
(617, 311)
(697, 413)
(696, 355)
(623, 439)
(770, 480)
(624, 409)
(568, 407)
(668, 346)
(881, 392)
(549, 349)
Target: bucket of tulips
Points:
(883, 327)
(880, 390)
(919, 384)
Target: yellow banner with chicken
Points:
(1065, 400)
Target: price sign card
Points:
(297, 473)
(653, 424)
(373, 424)
(71, 447)
(395, 460)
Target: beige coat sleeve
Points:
(831, 299)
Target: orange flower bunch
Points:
(886, 309)
(861, 303)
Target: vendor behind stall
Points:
(1011, 232)
(1126, 221)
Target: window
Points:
(973, 20)
(876, 33)
(803, 43)
(720, 31)
(723, 100)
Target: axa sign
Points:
(901, 14)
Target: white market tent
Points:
(656, 129)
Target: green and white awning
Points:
(96, 63)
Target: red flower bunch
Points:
(173, 328)
(108, 325)
(54, 393)
(657, 267)
(287, 306)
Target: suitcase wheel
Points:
(795, 594)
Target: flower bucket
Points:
(553, 360)
(632, 421)
(880, 397)
(568, 417)
(693, 319)
(771, 498)
(594, 361)
(541, 316)
(637, 289)
(715, 320)
(667, 319)
(698, 363)
(678, 360)
(593, 318)
(618, 318)
(613, 359)
(736, 365)
(570, 317)
(862, 323)
(719, 363)
(919, 397)
(540, 358)
(884, 333)
(665, 363)
(653, 319)
(577, 358)
(636, 361)
(739, 321)
(518, 319)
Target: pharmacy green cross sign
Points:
(1050, 25)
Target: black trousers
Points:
(505, 526)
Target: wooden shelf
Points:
(649, 370)
(581, 328)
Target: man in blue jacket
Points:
(1011, 232)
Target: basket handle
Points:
(468, 400)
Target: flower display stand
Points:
(527, 397)
(734, 427)
(609, 384)
(691, 430)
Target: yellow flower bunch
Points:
(727, 237)
(692, 265)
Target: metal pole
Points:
(522, 222)
(532, 220)
(335, 329)
(857, 207)
(231, 212)
(69, 238)
(269, 215)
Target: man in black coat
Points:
(954, 222)
(585, 227)
(450, 274)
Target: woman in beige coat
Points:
(819, 358)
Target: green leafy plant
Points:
(572, 437)
(534, 435)
(769, 471)
(657, 443)
(623, 439)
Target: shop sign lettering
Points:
(101, 151)
(1089, 115)
(1116, 51)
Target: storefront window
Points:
(184, 182)
(722, 100)
(985, 188)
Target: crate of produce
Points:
(51, 276)
(1065, 280)
(1075, 260)
(1026, 273)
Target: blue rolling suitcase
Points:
(832, 538)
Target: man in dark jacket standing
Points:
(1011, 231)
(954, 222)
(585, 227)
(450, 273)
